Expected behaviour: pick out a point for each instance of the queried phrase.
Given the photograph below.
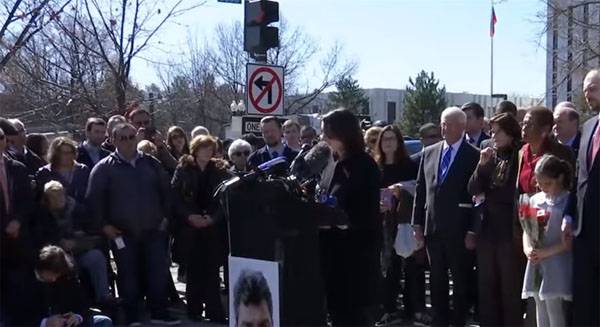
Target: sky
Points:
(395, 39)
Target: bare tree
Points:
(129, 26)
(23, 20)
(295, 53)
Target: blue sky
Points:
(395, 39)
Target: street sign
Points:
(230, 1)
(251, 124)
(264, 89)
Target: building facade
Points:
(573, 48)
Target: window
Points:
(391, 112)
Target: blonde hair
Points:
(147, 147)
(53, 186)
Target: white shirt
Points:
(455, 147)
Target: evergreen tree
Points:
(350, 96)
(423, 103)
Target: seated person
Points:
(63, 295)
(62, 221)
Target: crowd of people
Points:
(128, 198)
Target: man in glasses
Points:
(128, 194)
(16, 275)
(17, 149)
(140, 118)
(429, 134)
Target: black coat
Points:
(193, 194)
(14, 251)
(67, 295)
(31, 160)
(83, 156)
(496, 220)
(445, 209)
(583, 205)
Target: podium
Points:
(268, 220)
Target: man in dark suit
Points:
(475, 121)
(90, 151)
(272, 133)
(582, 220)
(566, 125)
(442, 215)
(17, 140)
(17, 302)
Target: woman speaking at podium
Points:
(350, 252)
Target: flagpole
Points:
(492, 58)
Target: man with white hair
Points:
(566, 125)
(238, 153)
(199, 130)
(442, 215)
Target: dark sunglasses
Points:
(142, 123)
(178, 136)
(127, 137)
(239, 154)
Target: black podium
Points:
(268, 220)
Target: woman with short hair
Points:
(63, 167)
(203, 239)
(238, 153)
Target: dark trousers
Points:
(203, 282)
(586, 275)
(149, 250)
(413, 292)
(500, 282)
(342, 266)
(448, 253)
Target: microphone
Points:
(274, 166)
(299, 164)
(315, 162)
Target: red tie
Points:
(4, 183)
(595, 146)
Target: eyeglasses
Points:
(239, 154)
(127, 137)
(142, 123)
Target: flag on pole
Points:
(493, 21)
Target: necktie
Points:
(445, 165)
(595, 146)
(4, 184)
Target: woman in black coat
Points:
(499, 258)
(203, 241)
(350, 251)
(397, 167)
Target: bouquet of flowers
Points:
(534, 222)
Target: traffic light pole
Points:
(259, 37)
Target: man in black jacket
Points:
(128, 194)
(17, 140)
(90, 151)
(566, 125)
(475, 121)
(17, 302)
(442, 215)
(582, 220)
(272, 133)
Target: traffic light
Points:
(258, 35)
